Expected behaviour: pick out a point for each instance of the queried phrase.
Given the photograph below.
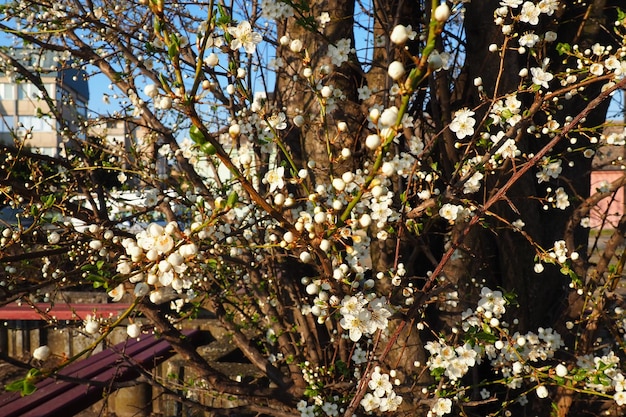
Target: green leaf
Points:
(233, 198)
(342, 368)
(604, 380)
(15, 385)
(563, 48)
(307, 22)
(49, 200)
(28, 388)
(224, 18)
(437, 373)
(196, 135)
(310, 392)
(162, 79)
(212, 264)
(575, 278)
(172, 51)
(174, 40)
(487, 337)
(156, 22)
(555, 409)
(97, 280)
(33, 373)
(208, 149)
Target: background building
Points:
(608, 166)
(23, 111)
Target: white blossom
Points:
(275, 178)
(541, 77)
(42, 353)
(463, 123)
(244, 36)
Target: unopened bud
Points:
(442, 13)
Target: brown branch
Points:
(150, 119)
(497, 195)
(215, 379)
(616, 240)
(243, 343)
(582, 211)
(501, 192)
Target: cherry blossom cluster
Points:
(360, 316)
(167, 259)
(382, 395)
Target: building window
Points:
(81, 108)
(6, 124)
(29, 91)
(6, 91)
(49, 89)
(37, 124)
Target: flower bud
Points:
(42, 353)
(399, 35)
(133, 330)
(442, 13)
(542, 391)
(53, 238)
(211, 60)
(298, 120)
(365, 220)
(372, 142)
(396, 70)
(295, 45)
(306, 257)
(234, 130)
(91, 326)
(338, 184)
(151, 90)
(389, 116)
(434, 61)
(245, 159)
(387, 169)
(289, 237)
(374, 115)
(312, 289)
(165, 103)
(141, 289)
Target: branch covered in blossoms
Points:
(388, 208)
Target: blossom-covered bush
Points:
(388, 212)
